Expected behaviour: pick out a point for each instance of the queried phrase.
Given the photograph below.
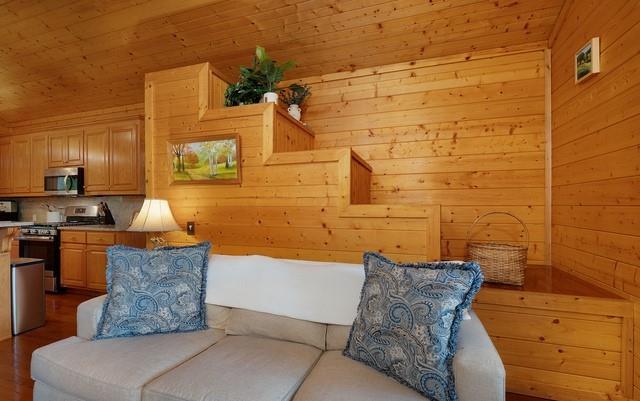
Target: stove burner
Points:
(52, 228)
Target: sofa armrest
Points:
(479, 372)
(88, 314)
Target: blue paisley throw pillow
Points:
(154, 291)
(408, 318)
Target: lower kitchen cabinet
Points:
(96, 262)
(73, 266)
(83, 256)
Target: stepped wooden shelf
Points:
(287, 141)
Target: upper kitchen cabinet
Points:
(21, 164)
(66, 148)
(5, 165)
(38, 162)
(111, 154)
(113, 159)
(24, 159)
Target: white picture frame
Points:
(587, 60)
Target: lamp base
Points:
(158, 241)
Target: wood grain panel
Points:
(82, 56)
(596, 140)
(467, 135)
(596, 144)
(561, 346)
(293, 201)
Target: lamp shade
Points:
(155, 216)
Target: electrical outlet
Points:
(191, 228)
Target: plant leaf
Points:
(261, 54)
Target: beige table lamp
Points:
(155, 217)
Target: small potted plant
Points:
(258, 82)
(272, 73)
(294, 96)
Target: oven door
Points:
(46, 248)
(64, 181)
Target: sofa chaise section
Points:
(114, 369)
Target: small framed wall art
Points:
(213, 159)
(587, 60)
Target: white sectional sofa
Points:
(277, 330)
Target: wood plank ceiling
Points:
(67, 56)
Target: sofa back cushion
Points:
(244, 322)
(315, 291)
(218, 316)
(337, 337)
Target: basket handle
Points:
(526, 230)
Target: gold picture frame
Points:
(207, 159)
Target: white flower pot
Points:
(295, 112)
(270, 97)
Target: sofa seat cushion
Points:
(338, 378)
(115, 369)
(238, 368)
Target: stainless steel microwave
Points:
(64, 181)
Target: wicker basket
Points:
(500, 263)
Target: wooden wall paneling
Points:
(85, 45)
(469, 135)
(595, 151)
(561, 346)
(283, 173)
(360, 180)
(289, 135)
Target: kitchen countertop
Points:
(97, 227)
(9, 224)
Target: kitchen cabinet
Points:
(113, 161)
(111, 154)
(124, 147)
(5, 165)
(21, 164)
(96, 171)
(96, 264)
(72, 257)
(15, 249)
(38, 163)
(83, 256)
(66, 148)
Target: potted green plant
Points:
(294, 96)
(258, 82)
(272, 73)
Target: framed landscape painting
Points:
(587, 60)
(207, 160)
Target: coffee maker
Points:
(9, 210)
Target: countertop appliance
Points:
(9, 210)
(64, 181)
(27, 294)
(42, 241)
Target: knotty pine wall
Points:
(290, 211)
(596, 147)
(464, 133)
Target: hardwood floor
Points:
(15, 377)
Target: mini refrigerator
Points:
(27, 294)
